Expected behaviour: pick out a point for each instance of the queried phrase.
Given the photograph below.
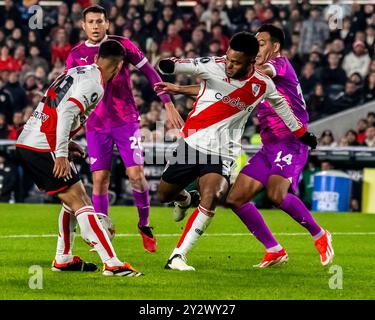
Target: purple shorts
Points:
(286, 159)
(127, 139)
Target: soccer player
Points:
(278, 165)
(115, 121)
(43, 148)
(230, 90)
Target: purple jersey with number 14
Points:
(272, 128)
(282, 154)
(117, 107)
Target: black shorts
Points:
(186, 164)
(39, 165)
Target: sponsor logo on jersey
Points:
(40, 115)
(233, 102)
(84, 59)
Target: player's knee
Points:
(276, 196)
(76, 199)
(210, 199)
(137, 180)
(233, 201)
(101, 183)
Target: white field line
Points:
(171, 235)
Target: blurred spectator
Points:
(6, 107)
(348, 99)
(314, 31)
(4, 133)
(327, 139)
(308, 80)
(172, 40)
(362, 125)
(357, 60)
(153, 53)
(369, 88)
(198, 42)
(236, 13)
(333, 74)
(8, 178)
(60, 47)
(317, 104)
(9, 11)
(217, 34)
(371, 118)
(326, 165)
(351, 138)
(17, 126)
(16, 91)
(216, 5)
(251, 22)
(7, 63)
(370, 136)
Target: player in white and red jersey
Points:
(278, 165)
(43, 148)
(116, 120)
(230, 90)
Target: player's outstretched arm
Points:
(198, 67)
(280, 105)
(171, 88)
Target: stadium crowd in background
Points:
(334, 58)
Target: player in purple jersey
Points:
(278, 165)
(115, 120)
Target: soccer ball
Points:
(108, 227)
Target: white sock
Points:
(92, 230)
(185, 202)
(65, 239)
(275, 249)
(195, 227)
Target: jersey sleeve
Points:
(198, 67)
(134, 55)
(278, 67)
(86, 93)
(283, 109)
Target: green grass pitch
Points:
(223, 259)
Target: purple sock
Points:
(101, 203)
(253, 220)
(293, 206)
(142, 202)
